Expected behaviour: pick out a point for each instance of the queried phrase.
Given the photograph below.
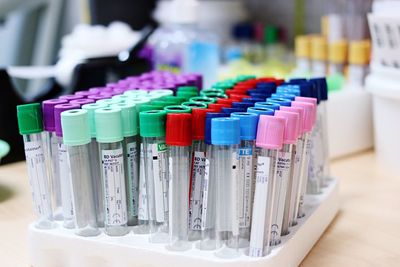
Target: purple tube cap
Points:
(57, 115)
(48, 113)
(82, 102)
(71, 97)
(100, 96)
(85, 93)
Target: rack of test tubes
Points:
(134, 174)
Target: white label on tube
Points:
(143, 210)
(197, 174)
(293, 207)
(204, 223)
(258, 226)
(133, 176)
(160, 181)
(37, 177)
(114, 179)
(235, 173)
(65, 181)
(282, 178)
(246, 170)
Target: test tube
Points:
(51, 154)
(197, 170)
(76, 137)
(131, 159)
(31, 128)
(270, 140)
(319, 55)
(179, 141)
(64, 167)
(95, 163)
(109, 135)
(208, 198)
(246, 179)
(152, 131)
(308, 121)
(225, 137)
(302, 51)
(284, 172)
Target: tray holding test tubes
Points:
(133, 175)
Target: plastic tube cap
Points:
(280, 101)
(291, 126)
(217, 107)
(179, 129)
(81, 102)
(163, 92)
(186, 94)
(202, 99)
(199, 123)
(312, 101)
(152, 123)
(261, 111)
(30, 118)
(75, 125)
(243, 105)
(248, 124)
(309, 114)
(57, 115)
(177, 109)
(300, 111)
(147, 107)
(322, 87)
(48, 113)
(194, 105)
(99, 97)
(86, 93)
(129, 118)
(225, 101)
(229, 111)
(270, 132)
(110, 101)
(302, 46)
(108, 125)
(135, 93)
(188, 89)
(71, 97)
(90, 108)
(225, 131)
(207, 130)
(283, 95)
(270, 105)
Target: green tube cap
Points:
(90, 108)
(30, 119)
(147, 107)
(76, 128)
(186, 94)
(109, 101)
(152, 123)
(177, 109)
(138, 102)
(161, 103)
(162, 92)
(187, 89)
(193, 105)
(202, 99)
(129, 118)
(108, 125)
(177, 99)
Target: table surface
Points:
(364, 233)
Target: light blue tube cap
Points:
(225, 131)
(248, 124)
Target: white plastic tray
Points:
(60, 247)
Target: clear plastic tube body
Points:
(131, 178)
(324, 137)
(316, 165)
(283, 175)
(179, 177)
(305, 160)
(50, 145)
(227, 219)
(38, 180)
(263, 202)
(65, 183)
(208, 207)
(318, 68)
(198, 160)
(97, 181)
(303, 64)
(356, 75)
(245, 189)
(82, 191)
(113, 176)
(336, 69)
(156, 173)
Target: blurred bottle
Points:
(302, 48)
(359, 55)
(319, 54)
(337, 56)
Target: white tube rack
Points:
(61, 247)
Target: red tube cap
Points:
(225, 101)
(239, 97)
(179, 129)
(199, 123)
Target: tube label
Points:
(112, 162)
(205, 224)
(143, 209)
(246, 170)
(133, 177)
(197, 174)
(259, 227)
(65, 182)
(234, 175)
(38, 178)
(160, 180)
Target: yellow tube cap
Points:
(302, 46)
(338, 52)
(319, 48)
(359, 52)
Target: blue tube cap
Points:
(244, 105)
(283, 95)
(248, 124)
(231, 110)
(261, 111)
(268, 87)
(280, 101)
(297, 80)
(270, 105)
(225, 131)
(322, 88)
(290, 88)
(207, 129)
(253, 100)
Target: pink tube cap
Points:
(270, 132)
(309, 114)
(300, 111)
(308, 100)
(291, 126)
